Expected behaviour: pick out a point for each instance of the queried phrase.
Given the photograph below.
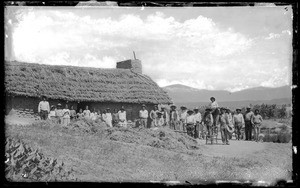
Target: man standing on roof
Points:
(43, 108)
(215, 110)
(143, 114)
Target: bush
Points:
(26, 164)
(284, 137)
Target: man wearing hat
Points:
(190, 123)
(43, 108)
(174, 117)
(143, 114)
(198, 126)
(248, 125)
(238, 122)
(182, 116)
(159, 120)
(256, 122)
(224, 122)
(153, 116)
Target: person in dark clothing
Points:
(248, 125)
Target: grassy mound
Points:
(158, 138)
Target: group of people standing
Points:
(185, 120)
(63, 116)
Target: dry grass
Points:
(81, 84)
(118, 154)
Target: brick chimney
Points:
(133, 64)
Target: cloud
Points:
(196, 52)
(272, 36)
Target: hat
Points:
(183, 107)
(238, 109)
(163, 107)
(107, 108)
(58, 104)
(143, 105)
(173, 106)
(212, 98)
(190, 111)
(208, 109)
(122, 108)
(248, 107)
(196, 109)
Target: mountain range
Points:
(182, 94)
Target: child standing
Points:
(115, 118)
(80, 114)
(256, 121)
(159, 120)
(52, 113)
(66, 116)
(59, 114)
(174, 118)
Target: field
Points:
(118, 154)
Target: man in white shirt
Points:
(43, 108)
(190, 123)
(153, 116)
(86, 112)
(143, 114)
(198, 126)
(238, 122)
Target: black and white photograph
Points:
(100, 92)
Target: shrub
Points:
(284, 137)
(26, 164)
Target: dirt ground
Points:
(118, 157)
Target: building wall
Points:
(30, 104)
(22, 103)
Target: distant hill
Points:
(182, 94)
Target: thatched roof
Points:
(81, 84)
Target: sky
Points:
(215, 48)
